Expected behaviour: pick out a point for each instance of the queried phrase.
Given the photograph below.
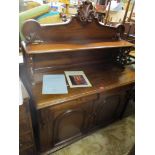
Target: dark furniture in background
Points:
(26, 139)
(81, 44)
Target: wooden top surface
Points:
(73, 46)
(102, 78)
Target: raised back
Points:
(80, 42)
(83, 26)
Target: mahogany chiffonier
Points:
(26, 139)
(81, 44)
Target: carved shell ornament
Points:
(86, 12)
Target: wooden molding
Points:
(81, 27)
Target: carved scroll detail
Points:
(86, 12)
(33, 37)
(31, 30)
(123, 58)
(120, 31)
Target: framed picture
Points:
(77, 79)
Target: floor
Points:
(116, 139)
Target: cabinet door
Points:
(109, 108)
(64, 122)
(70, 118)
(69, 124)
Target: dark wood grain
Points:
(26, 139)
(72, 30)
(79, 27)
(102, 78)
(81, 44)
(85, 116)
(74, 46)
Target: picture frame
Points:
(77, 79)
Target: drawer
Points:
(25, 141)
(116, 90)
(83, 103)
(75, 103)
(24, 125)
